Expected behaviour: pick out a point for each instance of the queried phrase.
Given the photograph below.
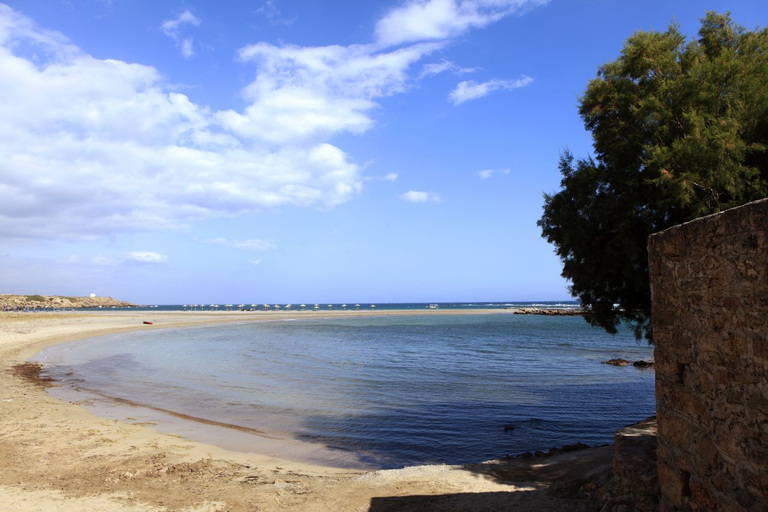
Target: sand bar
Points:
(56, 455)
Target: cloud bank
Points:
(90, 147)
(93, 147)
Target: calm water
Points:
(395, 306)
(381, 391)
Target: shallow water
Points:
(379, 392)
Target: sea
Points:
(368, 392)
(362, 306)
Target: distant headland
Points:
(48, 302)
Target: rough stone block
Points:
(673, 485)
(707, 452)
(720, 376)
(701, 496)
(760, 349)
(675, 428)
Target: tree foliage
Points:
(680, 130)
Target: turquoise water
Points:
(389, 391)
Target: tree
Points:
(680, 130)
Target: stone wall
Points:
(709, 286)
(634, 485)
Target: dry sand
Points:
(57, 456)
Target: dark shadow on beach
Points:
(564, 480)
(480, 502)
(455, 502)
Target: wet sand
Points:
(56, 455)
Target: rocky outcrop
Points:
(46, 302)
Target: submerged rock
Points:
(623, 362)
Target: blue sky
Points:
(297, 151)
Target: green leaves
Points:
(680, 130)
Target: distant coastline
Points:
(336, 308)
(54, 302)
(57, 302)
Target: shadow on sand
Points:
(564, 481)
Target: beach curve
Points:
(57, 455)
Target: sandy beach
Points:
(56, 455)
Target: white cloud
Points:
(90, 147)
(424, 20)
(435, 68)
(270, 11)
(103, 261)
(414, 196)
(305, 92)
(255, 245)
(246, 245)
(254, 262)
(146, 257)
(218, 241)
(392, 177)
(472, 90)
(487, 173)
(187, 50)
(172, 28)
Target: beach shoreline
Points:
(56, 454)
